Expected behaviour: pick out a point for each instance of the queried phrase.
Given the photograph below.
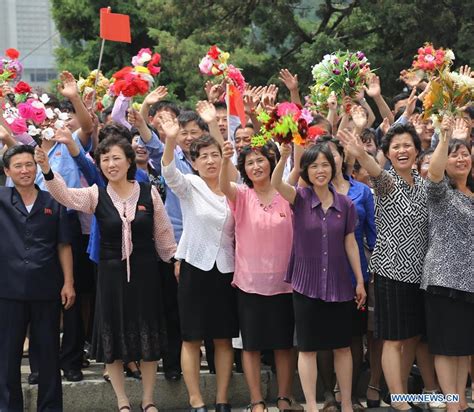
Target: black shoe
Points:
(73, 375)
(223, 407)
(173, 376)
(136, 374)
(202, 408)
(33, 378)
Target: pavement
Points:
(94, 394)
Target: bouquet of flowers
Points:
(138, 79)
(286, 123)
(88, 85)
(317, 99)
(344, 73)
(448, 93)
(11, 68)
(214, 63)
(31, 114)
(431, 61)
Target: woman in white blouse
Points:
(207, 301)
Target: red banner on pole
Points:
(114, 26)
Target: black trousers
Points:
(43, 318)
(172, 354)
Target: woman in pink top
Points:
(263, 234)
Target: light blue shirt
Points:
(155, 149)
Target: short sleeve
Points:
(437, 191)
(238, 204)
(383, 184)
(64, 231)
(299, 198)
(351, 218)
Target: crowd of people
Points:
(151, 235)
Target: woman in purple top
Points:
(323, 246)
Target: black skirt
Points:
(399, 309)
(450, 325)
(207, 304)
(359, 317)
(266, 322)
(129, 320)
(322, 325)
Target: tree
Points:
(264, 36)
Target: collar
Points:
(336, 203)
(414, 173)
(18, 203)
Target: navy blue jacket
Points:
(29, 263)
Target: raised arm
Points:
(287, 191)
(226, 185)
(68, 88)
(154, 97)
(440, 156)
(136, 119)
(295, 172)
(84, 200)
(375, 92)
(165, 243)
(291, 83)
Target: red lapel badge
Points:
(141, 208)
(48, 211)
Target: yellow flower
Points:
(141, 69)
(224, 57)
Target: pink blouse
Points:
(264, 236)
(86, 199)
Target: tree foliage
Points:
(264, 35)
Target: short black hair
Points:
(240, 127)
(115, 140)
(105, 113)
(267, 150)
(66, 106)
(422, 156)
(369, 134)
(397, 129)
(470, 111)
(115, 129)
(400, 96)
(220, 105)
(202, 142)
(16, 150)
(310, 156)
(454, 146)
(164, 105)
(53, 101)
(191, 116)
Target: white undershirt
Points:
(29, 207)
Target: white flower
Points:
(59, 124)
(33, 131)
(450, 55)
(44, 98)
(462, 80)
(144, 58)
(49, 113)
(47, 133)
(37, 105)
(61, 115)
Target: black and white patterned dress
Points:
(448, 273)
(401, 218)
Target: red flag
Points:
(114, 26)
(236, 104)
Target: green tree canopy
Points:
(264, 36)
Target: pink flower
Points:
(18, 126)
(287, 108)
(26, 110)
(143, 56)
(306, 115)
(206, 65)
(236, 76)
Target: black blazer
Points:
(29, 264)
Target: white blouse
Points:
(208, 224)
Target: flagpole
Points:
(101, 54)
(227, 104)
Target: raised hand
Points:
(411, 79)
(156, 95)
(67, 85)
(411, 103)
(206, 110)
(447, 126)
(461, 129)
(268, 97)
(466, 71)
(136, 119)
(41, 158)
(332, 101)
(417, 122)
(385, 125)
(227, 150)
(359, 117)
(63, 135)
(351, 142)
(288, 79)
(250, 102)
(285, 151)
(214, 91)
(169, 125)
(4, 134)
(374, 90)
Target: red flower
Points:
(122, 72)
(153, 64)
(22, 88)
(12, 53)
(130, 86)
(214, 52)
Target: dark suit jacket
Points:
(29, 264)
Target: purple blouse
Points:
(318, 266)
